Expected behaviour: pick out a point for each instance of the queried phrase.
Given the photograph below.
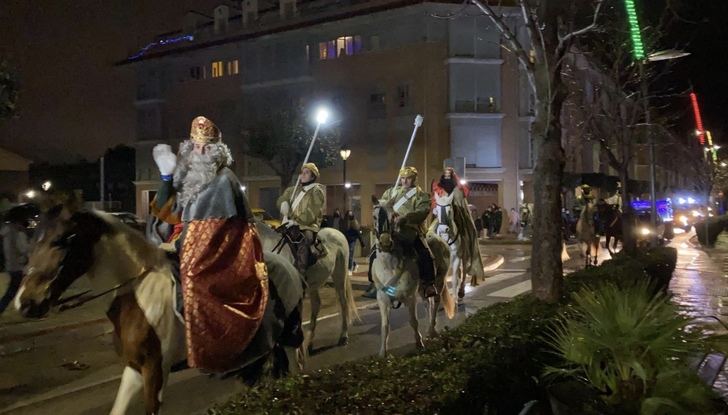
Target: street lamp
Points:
(30, 194)
(345, 153)
(638, 53)
(46, 186)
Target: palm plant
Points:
(627, 343)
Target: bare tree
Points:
(552, 26)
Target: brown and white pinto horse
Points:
(149, 333)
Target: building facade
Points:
(377, 64)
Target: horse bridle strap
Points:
(81, 299)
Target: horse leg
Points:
(433, 304)
(315, 307)
(384, 307)
(153, 380)
(412, 308)
(131, 384)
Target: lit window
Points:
(342, 46)
(348, 45)
(217, 69)
(233, 67)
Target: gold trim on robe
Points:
(225, 290)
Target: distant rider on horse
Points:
(450, 207)
(411, 207)
(304, 211)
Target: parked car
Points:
(28, 213)
(265, 217)
(130, 219)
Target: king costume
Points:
(222, 271)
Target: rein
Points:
(81, 299)
(455, 238)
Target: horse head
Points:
(61, 252)
(383, 226)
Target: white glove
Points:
(164, 157)
(285, 208)
(291, 223)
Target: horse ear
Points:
(375, 201)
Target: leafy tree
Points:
(8, 91)
(282, 139)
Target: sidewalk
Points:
(18, 334)
(699, 283)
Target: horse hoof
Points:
(420, 346)
(310, 349)
(343, 341)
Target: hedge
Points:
(716, 225)
(492, 363)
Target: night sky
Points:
(75, 103)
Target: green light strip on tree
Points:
(638, 49)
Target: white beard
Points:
(194, 174)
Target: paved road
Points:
(44, 370)
(38, 374)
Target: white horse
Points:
(587, 236)
(390, 270)
(460, 263)
(333, 264)
(139, 288)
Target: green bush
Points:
(628, 344)
(716, 225)
(494, 360)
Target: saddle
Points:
(294, 237)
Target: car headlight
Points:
(644, 231)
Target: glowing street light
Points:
(463, 182)
(46, 186)
(723, 164)
(322, 115)
(345, 153)
(30, 194)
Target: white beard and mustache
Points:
(195, 171)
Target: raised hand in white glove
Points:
(164, 157)
(285, 208)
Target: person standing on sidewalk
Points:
(15, 250)
(352, 231)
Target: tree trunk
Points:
(546, 267)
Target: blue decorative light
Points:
(161, 42)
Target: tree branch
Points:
(564, 39)
(508, 34)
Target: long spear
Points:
(418, 123)
(321, 117)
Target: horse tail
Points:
(341, 266)
(447, 302)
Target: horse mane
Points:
(133, 244)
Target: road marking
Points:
(501, 277)
(513, 290)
